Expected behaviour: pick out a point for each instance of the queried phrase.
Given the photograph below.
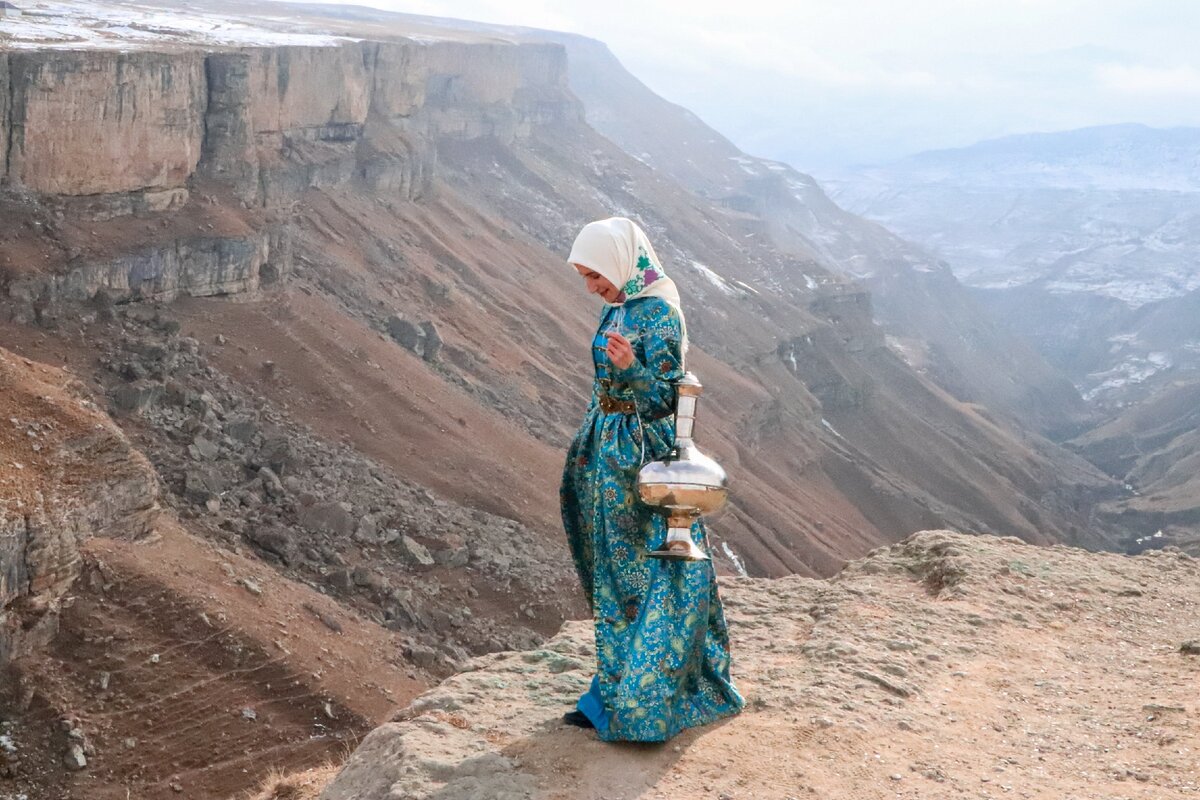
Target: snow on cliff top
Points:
(83, 25)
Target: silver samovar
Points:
(684, 485)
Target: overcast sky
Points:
(842, 82)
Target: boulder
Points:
(277, 541)
(136, 398)
(414, 552)
(200, 486)
(331, 518)
(339, 579)
(433, 341)
(367, 530)
(367, 578)
(272, 486)
(241, 429)
(203, 449)
(453, 553)
(406, 334)
(276, 453)
(75, 758)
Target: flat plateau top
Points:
(215, 25)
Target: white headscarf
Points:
(619, 250)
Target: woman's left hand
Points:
(620, 351)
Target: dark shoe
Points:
(578, 719)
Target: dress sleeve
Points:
(652, 375)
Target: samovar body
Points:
(686, 484)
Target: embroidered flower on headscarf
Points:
(644, 274)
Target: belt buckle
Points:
(610, 404)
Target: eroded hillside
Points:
(424, 189)
(139, 657)
(314, 273)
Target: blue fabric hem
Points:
(591, 705)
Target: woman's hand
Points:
(620, 351)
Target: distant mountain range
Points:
(1080, 236)
(1112, 211)
(1088, 243)
(1129, 156)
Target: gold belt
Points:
(610, 405)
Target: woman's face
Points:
(598, 284)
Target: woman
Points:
(662, 648)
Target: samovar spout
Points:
(685, 484)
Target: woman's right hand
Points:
(619, 350)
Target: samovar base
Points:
(678, 551)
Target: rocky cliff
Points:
(92, 122)
(136, 656)
(942, 666)
(409, 182)
(68, 474)
(96, 136)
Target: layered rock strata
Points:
(100, 135)
(270, 121)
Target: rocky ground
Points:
(456, 581)
(242, 470)
(945, 666)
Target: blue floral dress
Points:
(662, 647)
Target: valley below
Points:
(290, 357)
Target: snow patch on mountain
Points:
(66, 24)
(716, 280)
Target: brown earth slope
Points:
(404, 183)
(138, 658)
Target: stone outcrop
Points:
(68, 473)
(198, 267)
(933, 667)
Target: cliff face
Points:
(69, 474)
(103, 136)
(424, 186)
(96, 123)
(100, 123)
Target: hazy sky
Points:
(839, 82)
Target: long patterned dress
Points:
(662, 648)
